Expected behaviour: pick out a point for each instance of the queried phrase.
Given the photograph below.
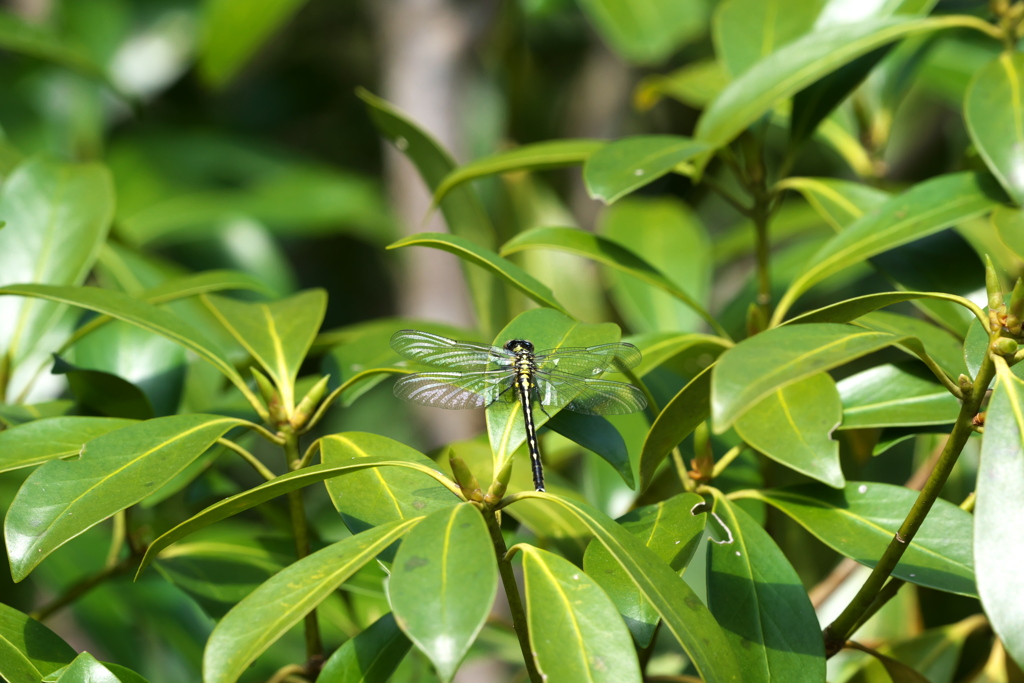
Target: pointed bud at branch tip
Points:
(308, 405)
(270, 396)
(500, 484)
(465, 478)
(992, 284)
(1015, 315)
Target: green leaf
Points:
(103, 393)
(862, 519)
(646, 31)
(533, 157)
(793, 425)
(272, 489)
(277, 334)
(39, 441)
(943, 347)
(924, 209)
(976, 345)
(685, 616)
(897, 671)
(852, 309)
(628, 164)
(547, 329)
(28, 649)
(686, 410)
(145, 315)
(84, 669)
(660, 348)
(13, 415)
(22, 37)
(463, 211)
(443, 583)
(232, 30)
(694, 84)
(895, 396)
(839, 202)
(1008, 223)
(994, 110)
(381, 495)
(58, 216)
(763, 364)
(268, 612)
(672, 530)
(671, 239)
(760, 602)
(598, 435)
(63, 498)
(123, 673)
(608, 253)
(371, 657)
(799, 64)
(747, 31)
(207, 282)
(998, 515)
(575, 630)
(486, 259)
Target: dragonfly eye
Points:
(516, 345)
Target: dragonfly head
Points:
(518, 345)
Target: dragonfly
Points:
(478, 376)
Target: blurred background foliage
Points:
(236, 140)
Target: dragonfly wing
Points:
(453, 390)
(439, 351)
(589, 396)
(589, 361)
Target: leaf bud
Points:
(465, 478)
(1004, 346)
(270, 397)
(308, 405)
(500, 484)
(1015, 314)
(995, 289)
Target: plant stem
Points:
(83, 587)
(724, 461)
(248, 457)
(314, 646)
(515, 602)
(843, 627)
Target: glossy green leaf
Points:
(608, 253)
(537, 156)
(852, 309)
(463, 211)
(29, 38)
(84, 669)
(793, 425)
(839, 202)
(943, 347)
(63, 498)
(895, 396)
(206, 282)
(596, 434)
(232, 30)
(1008, 223)
(268, 612)
(800, 63)
(931, 657)
(39, 441)
(645, 31)
(575, 630)
(628, 164)
(103, 393)
(384, 494)
(763, 364)
(976, 345)
(672, 530)
(993, 110)
(272, 489)
(371, 657)
(997, 513)
(486, 259)
(124, 674)
(547, 329)
(686, 410)
(145, 315)
(694, 84)
(223, 567)
(747, 31)
(760, 602)
(660, 348)
(924, 209)
(684, 615)
(897, 671)
(13, 415)
(28, 649)
(671, 238)
(58, 216)
(862, 519)
(443, 583)
(277, 334)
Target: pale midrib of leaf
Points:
(822, 189)
(16, 651)
(1013, 80)
(284, 375)
(286, 616)
(663, 153)
(247, 345)
(924, 398)
(739, 538)
(862, 520)
(41, 534)
(581, 643)
(445, 550)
